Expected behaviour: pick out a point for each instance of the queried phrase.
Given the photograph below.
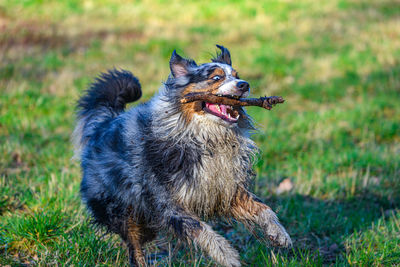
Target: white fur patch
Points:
(228, 88)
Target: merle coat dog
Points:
(163, 165)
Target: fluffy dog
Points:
(163, 165)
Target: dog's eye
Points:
(216, 78)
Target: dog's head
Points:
(217, 77)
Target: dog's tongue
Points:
(221, 111)
(214, 107)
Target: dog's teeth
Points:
(218, 108)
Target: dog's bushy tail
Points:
(105, 98)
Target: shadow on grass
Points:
(321, 228)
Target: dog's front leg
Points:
(248, 209)
(191, 228)
(169, 215)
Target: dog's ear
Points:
(180, 66)
(223, 57)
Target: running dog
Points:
(168, 166)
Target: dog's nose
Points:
(243, 86)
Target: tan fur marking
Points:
(189, 89)
(219, 72)
(244, 207)
(187, 111)
(254, 213)
(134, 237)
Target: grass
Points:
(336, 138)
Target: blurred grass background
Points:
(336, 140)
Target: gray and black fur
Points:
(163, 165)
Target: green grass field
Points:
(337, 138)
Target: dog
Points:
(168, 166)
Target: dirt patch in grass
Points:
(49, 36)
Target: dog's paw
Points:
(278, 236)
(274, 231)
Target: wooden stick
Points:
(264, 102)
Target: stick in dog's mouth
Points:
(266, 102)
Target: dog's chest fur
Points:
(225, 163)
(201, 162)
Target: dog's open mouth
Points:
(225, 112)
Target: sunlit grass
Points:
(336, 137)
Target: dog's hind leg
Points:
(248, 209)
(136, 235)
(135, 250)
